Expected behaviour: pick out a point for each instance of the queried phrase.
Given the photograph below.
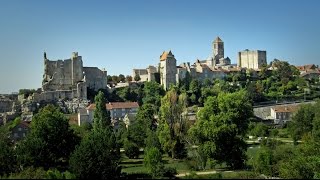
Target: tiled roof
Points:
(116, 105)
(165, 55)
(306, 67)
(286, 108)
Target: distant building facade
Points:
(252, 59)
(118, 110)
(19, 131)
(216, 66)
(309, 71)
(147, 74)
(283, 114)
(168, 69)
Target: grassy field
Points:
(132, 165)
(136, 165)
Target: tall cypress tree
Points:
(101, 118)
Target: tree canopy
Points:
(221, 125)
(50, 141)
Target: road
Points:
(283, 140)
(200, 173)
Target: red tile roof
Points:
(116, 105)
(287, 108)
(165, 55)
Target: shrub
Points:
(131, 149)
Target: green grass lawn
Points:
(132, 165)
(135, 166)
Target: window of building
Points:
(15, 134)
(19, 129)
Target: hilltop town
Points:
(203, 114)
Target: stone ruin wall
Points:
(95, 78)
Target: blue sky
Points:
(121, 35)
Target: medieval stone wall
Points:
(95, 78)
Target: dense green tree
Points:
(152, 93)
(207, 92)
(83, 130)
(137, 77)
(131, 149)
(127, 94)
(284, 71)
(128, 78)
(121, 133)
(221, 125)
(264, 161)
(146, 115)
(122, 78)
(302, 122)
(260, 130)
(101, 117)
(152, 140)
(7, 154)
(264, 73)
(172, 125)
(115, 79)
(97, 156)
(194, 91)
(50, 141)
(184, 84)
(102, 161)
(109, 78)
(153, 162)
(255, 91)
(137, 133)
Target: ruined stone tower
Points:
(168, 69)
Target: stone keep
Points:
(69, 79)
(168, 69)
(62, 74)
(252, 59)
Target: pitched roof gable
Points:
(116, 105)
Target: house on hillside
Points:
(282, 114)
(118, 110)
(309, 71)
(19, 131)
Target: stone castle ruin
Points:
(68, 79)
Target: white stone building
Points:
(118, 110)
(283, 113)
(168, 69)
